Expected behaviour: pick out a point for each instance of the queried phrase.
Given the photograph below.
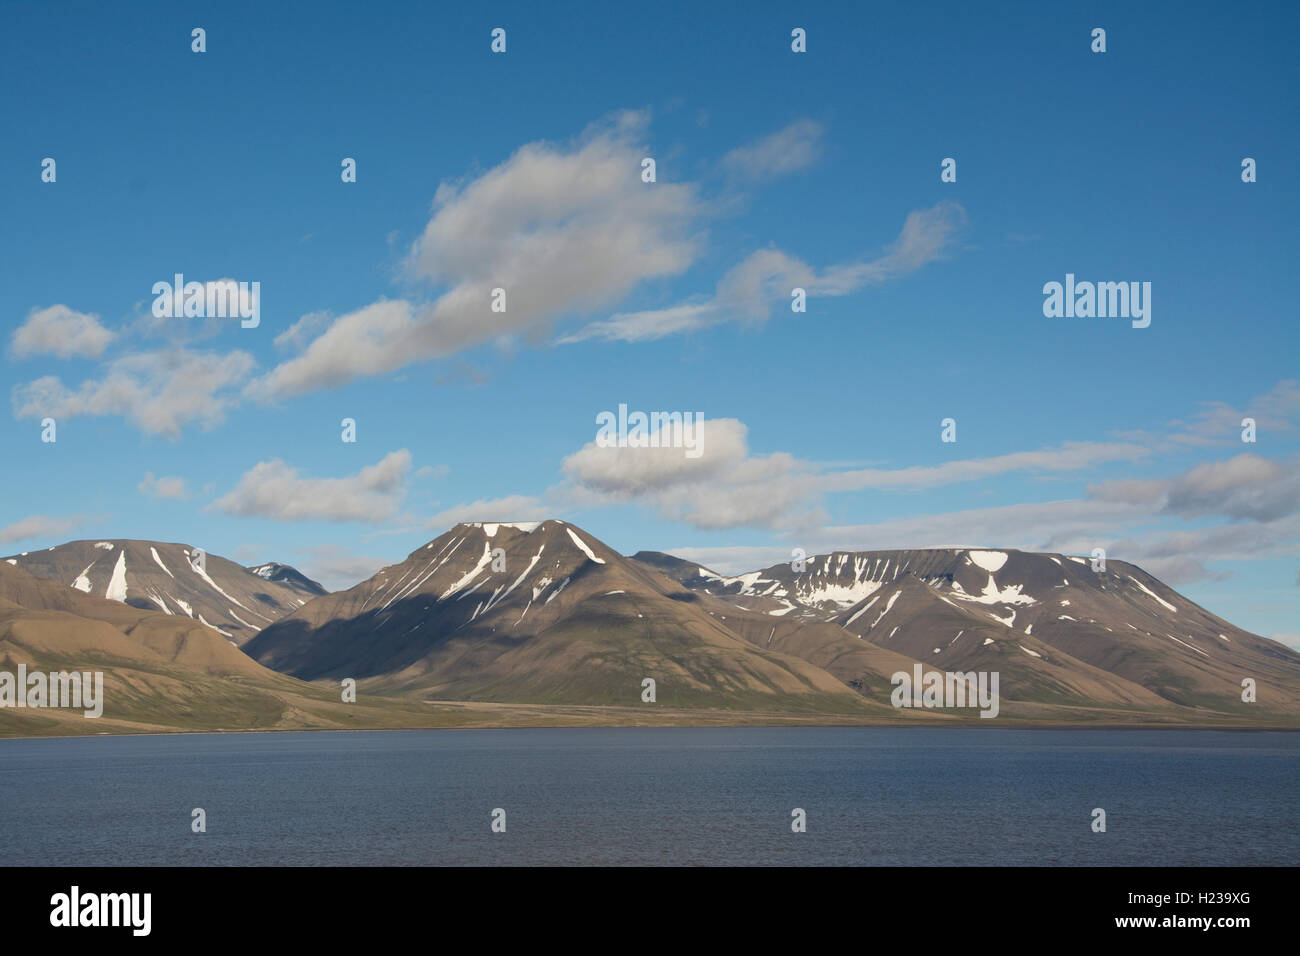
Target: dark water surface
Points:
(655, 796)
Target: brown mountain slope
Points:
(539, 613)
(160, 672)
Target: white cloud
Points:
(61, 332)
(786, 151)
(160, 392)
(563, 229)
(165, 487)
(273, 489)
(370, 341)
(1244, 487)
(721, 443)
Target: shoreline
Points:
(1199, 728)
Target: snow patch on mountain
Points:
(990, 561)
(242, 621)
(1154, 595)
(471, 574)
(1188, 646)
(82, 581)
(586, 549)
(215, 628)
(845, 595)
(992, 594)
(862, 610)
(117, 584)
(159, 561)
(888, 604)
(213, 584)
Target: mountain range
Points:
(523, 623)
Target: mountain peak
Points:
(289, 576)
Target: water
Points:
(873, 796)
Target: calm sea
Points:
(872, 796)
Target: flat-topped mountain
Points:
(1058, 630)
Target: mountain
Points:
(235, 602)
(1057, 631)
(160, 672)
(290, 577)
(540, 612)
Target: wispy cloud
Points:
(727, 486)
(335, 567)
(754, 288)
(786, 151)
(508, 508)
(1218, 423)
(165, 487)
(40, 526)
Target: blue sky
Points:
(478, 170)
